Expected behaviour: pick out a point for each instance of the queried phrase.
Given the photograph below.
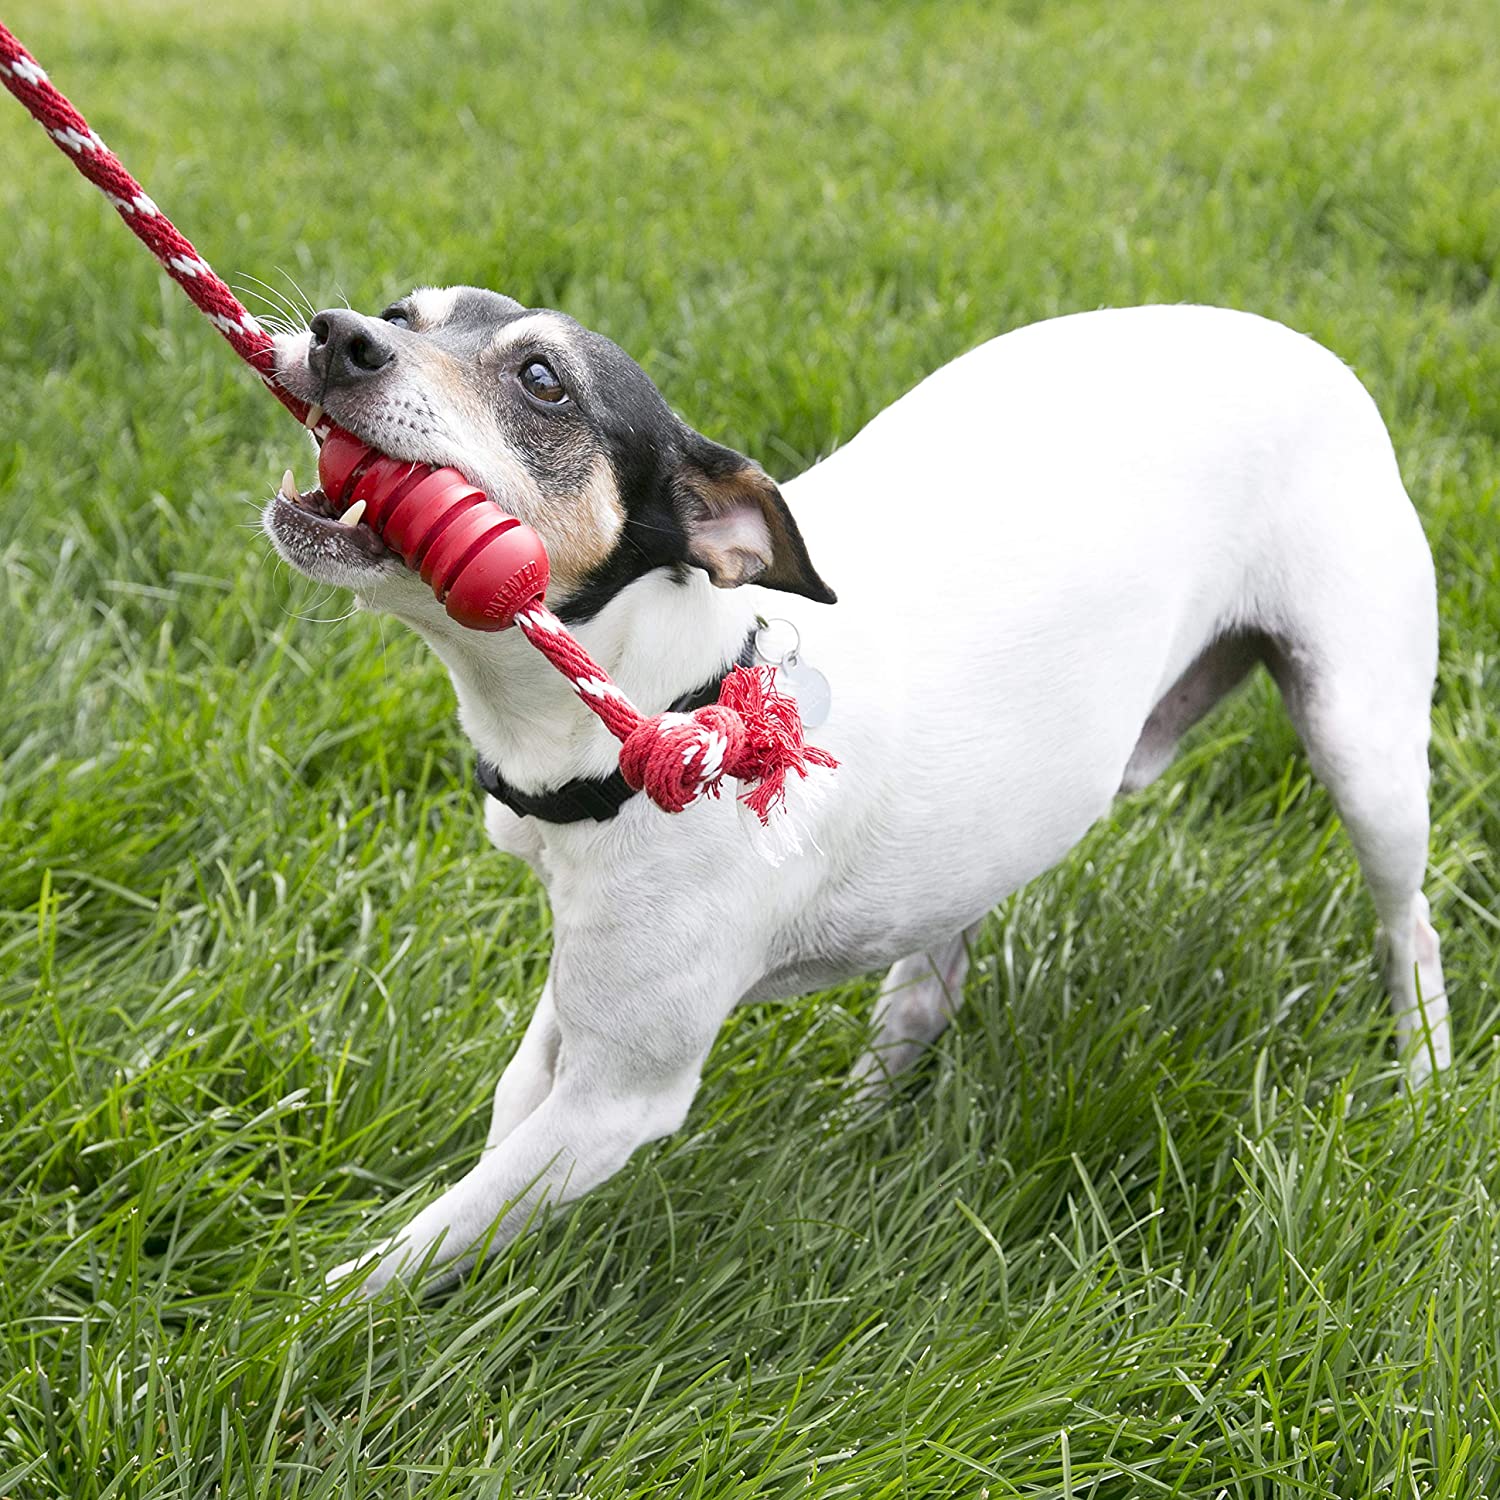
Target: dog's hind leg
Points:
(1216, 672)
(1366, 736)
(1355, 660)
(918, 998)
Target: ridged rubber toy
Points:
(484, 566)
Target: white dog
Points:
(1053, 556)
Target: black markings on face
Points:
(605, 451)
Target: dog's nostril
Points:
(345, 346)
(366, 354)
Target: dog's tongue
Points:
(484, 566)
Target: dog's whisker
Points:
(267, 307)
(327, 619)
(318, 603)
(272, 314)
(276, 324)
(301, 297)
(278, 299)
(385, 663)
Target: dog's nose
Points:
(347, 347)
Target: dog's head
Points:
(558, 425)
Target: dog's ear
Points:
(738, 527)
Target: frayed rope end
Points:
(753, 733)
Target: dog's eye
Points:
(539, 381)
(396, 314)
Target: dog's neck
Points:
(657, 639)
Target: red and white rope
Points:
(26, 79)
(753, 733)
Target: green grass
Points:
(1154, 1221)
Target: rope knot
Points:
(753, 733)
(676, 758)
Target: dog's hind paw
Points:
(365, 1275)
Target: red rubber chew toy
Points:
(484, 566)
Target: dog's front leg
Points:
(529, 1074)
(611, 1090)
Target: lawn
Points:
(1155, 1220)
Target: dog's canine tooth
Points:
(314, 414)
(351, 516)
(288, 490)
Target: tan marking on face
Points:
(460, 427)
(587, 525)
(582, 527)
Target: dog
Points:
(1054, 555)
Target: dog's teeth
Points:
(288, 489)
(351, 516)
(314, 414)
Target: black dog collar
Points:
(596, 797)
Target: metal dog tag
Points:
(805, 685)
(808, 686)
